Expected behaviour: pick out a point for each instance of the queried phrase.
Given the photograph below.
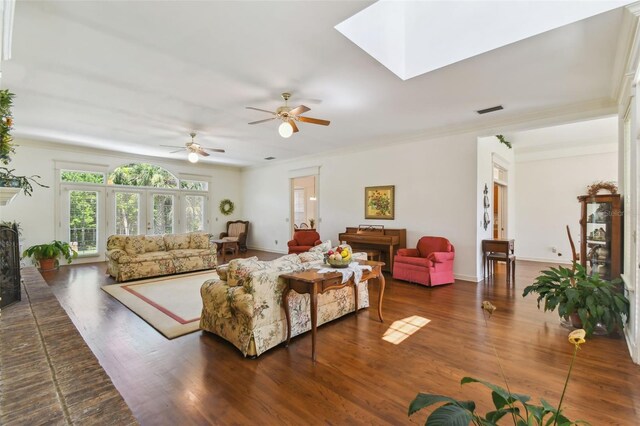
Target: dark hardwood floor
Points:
(359, 377)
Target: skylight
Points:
(411, 38)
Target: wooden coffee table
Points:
(314, 283)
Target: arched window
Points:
(143, 174)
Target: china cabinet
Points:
(601, 235)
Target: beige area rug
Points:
(172, 305)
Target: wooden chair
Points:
(498, 251)
(237, 230)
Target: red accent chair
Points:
(431, 263)
(303, 240)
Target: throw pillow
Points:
(154, 243)
(134, 245)
(311, 256)
(322, 248)
(239, 270)
(222, 271)
(199, 240)
(116, 242)
(288, 262)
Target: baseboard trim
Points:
(545, 260)
(270, 250)
(463, 277)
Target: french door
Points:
(136, 212)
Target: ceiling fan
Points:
(289, 116)
(194, 149)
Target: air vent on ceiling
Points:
(269, 158)
(492, 109)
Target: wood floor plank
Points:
(359, 377)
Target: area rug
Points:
(172, 305)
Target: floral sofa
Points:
(142, 256)
(244, 306)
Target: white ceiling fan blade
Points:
(177, 150)
(172, 146)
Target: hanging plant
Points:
(6, 124)
(226, 207)
(9, 180)
(504, 141)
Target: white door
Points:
(142, 212)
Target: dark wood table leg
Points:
(508, 262)
(381, 285)
(355, 290)
(314, 319)
(285, 305)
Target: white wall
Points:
(36, 214)
(489, 150)
(547, 201)
(435, 184)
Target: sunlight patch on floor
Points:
(404, 328)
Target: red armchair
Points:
(303, 240)
(431, 263)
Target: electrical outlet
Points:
(554, 250)
(276, 242)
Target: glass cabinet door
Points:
(598, 238)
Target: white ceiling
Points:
(130, 76)
(407, 36)
(602, 131)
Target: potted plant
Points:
(588, 300)
(47, 255)
(9, 180)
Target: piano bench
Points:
(373, 255)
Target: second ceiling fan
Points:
(194, 149)
(289, 116)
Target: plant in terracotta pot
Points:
(47, 255)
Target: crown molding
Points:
(563, 114)
(58, 146)
(628, 52)
(550, 153)
(627, 43)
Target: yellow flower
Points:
(576, 337)
(488, 307)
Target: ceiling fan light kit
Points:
(193, 157)
(285, 130)
(289, 116)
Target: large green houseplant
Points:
(47, 255)
(587, 299)
(574, 293)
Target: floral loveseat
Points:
(142, 256)
(244, 306)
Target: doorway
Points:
(500, 215)
(304, 203)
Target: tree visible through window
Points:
(83, 221)
(142, 174)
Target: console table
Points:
(314, 283)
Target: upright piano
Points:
(376, 237)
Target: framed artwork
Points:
(379, 202)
